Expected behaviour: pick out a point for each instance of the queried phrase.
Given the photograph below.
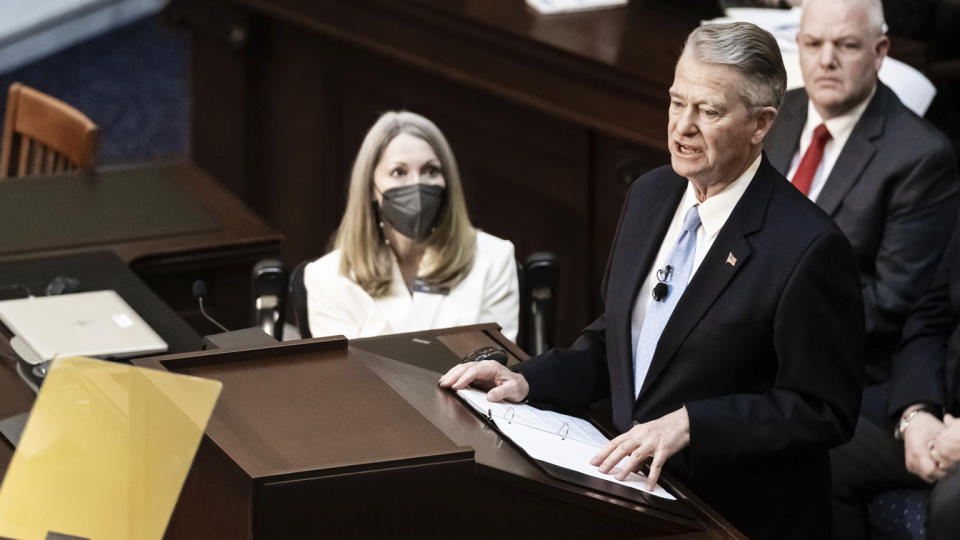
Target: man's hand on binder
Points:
(658, 439)
(502, 383)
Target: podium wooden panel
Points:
(325, 438)
(312, 441)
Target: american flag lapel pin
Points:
(731, 260)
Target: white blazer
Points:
(489, 293)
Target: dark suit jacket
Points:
(766, 354)
(926, 368)
(893, 191)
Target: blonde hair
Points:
(364, 255)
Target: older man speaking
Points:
(732, 334)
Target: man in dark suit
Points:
(887, 177)
(731, 339)
(913, 447)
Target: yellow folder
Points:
(105, 451)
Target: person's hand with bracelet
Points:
(918, 428)
(945, 449)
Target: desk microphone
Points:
(199, 291)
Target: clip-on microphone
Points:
(661, 289)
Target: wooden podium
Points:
(327, 438)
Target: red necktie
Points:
(811, 160)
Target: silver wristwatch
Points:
(905, 421)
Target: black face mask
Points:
(412, 210)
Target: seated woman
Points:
(406, 256)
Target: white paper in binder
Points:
(555, 438)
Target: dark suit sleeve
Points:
(918, 366)
(920, 206)
(818, 341)
(572, 378)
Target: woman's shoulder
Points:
(325, 272)
(488, 243)
(328, 265)
(322, 278)
(493, 250)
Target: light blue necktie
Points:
(658, 313)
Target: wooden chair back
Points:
(43, 135)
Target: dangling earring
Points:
(386, 240)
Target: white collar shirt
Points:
(840, 128)
(713, 215)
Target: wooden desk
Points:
(171, 223)
(319, 438)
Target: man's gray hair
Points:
(750, 50)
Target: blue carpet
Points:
(132, 82)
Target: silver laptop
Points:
(97, 323)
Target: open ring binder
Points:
(560, 444)
(509, 415)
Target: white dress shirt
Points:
(840, 128)
(713, 214)
(489, 293)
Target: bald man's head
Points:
(841, 47)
